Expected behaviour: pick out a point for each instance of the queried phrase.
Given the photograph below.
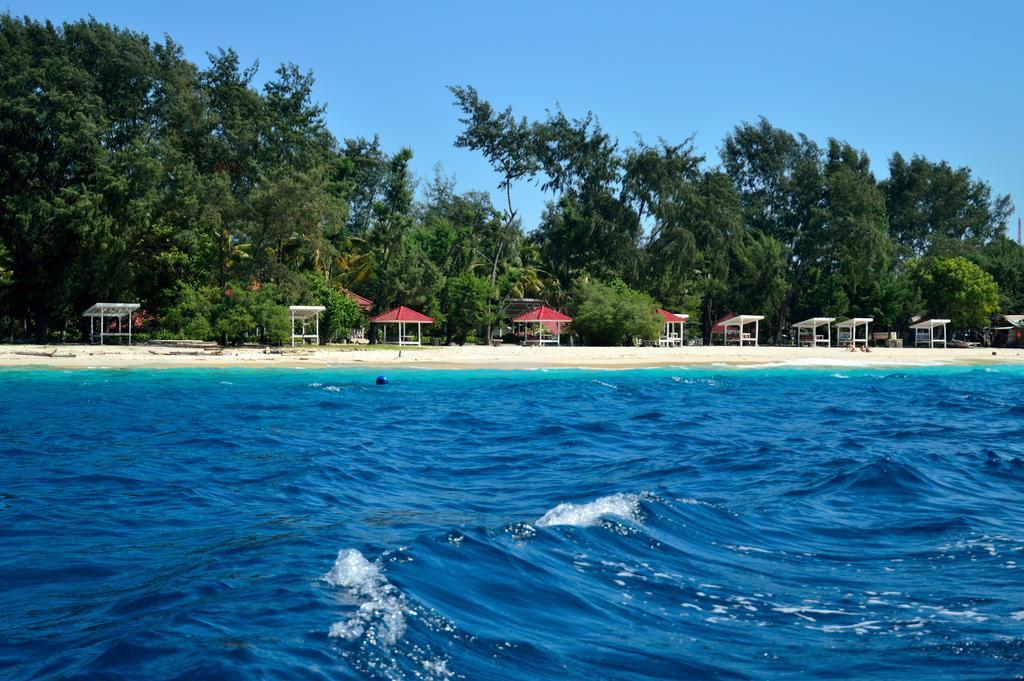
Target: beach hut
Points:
(1007, 331)
(546, 324)
(930, 332)
(400, 317)
(303, 314)
(101, 313)
(848, 331)
(674, 332)
(732, 329)
(807, 332)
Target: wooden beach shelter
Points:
(848, 331)
(101, 313)
(546, 323)
(732, 329)
(930, 332)
(400, 316)
(807, 332)
(674, 332)
(303, 314)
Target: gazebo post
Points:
(129, 328)
(756, 327)
(318, 328)
(101, 328)
(293, 328)
(419, 333)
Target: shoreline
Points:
(498, 357)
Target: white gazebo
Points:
(740, 322)
(848, 331)
(102, 312)
(807, 331)
(930, 332)
(303, 314)
(674, 332)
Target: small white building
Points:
(930, 332)
(853, 331)
(304, 314)
(807, 332)
(101, 313)
(674, 331)
(739, 324)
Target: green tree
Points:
(958, 290)
(465, 304)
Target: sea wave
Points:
(381, 608)
(619, 505)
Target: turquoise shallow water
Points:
(663, 523)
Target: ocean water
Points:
(660, 523)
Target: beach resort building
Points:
(401, 317)
(930, 332)
(541, 326)
(739, 329)
(673, 331)
(808, 334)
(302, 317)
(853, 331)
(101, 317)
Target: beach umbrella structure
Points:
(848, 331)
(304, 314)
(673, 332)
(100, 313)
(930, 332)
(807, 332)
(546, 323)
(738, 325)
(400, 317)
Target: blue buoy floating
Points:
(382, 380)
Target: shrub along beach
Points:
(133, 175)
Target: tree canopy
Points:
(130, 173)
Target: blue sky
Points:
(941, 79)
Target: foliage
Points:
(613, 314)
(959, 290)
(465, 301)
(130, 173)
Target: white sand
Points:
(112, 356)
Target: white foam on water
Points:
(382, 607)
(626, 506)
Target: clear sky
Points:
(941, 79)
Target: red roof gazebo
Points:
(401, 316)
(671, 336)
(546, 319)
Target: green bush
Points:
(611, 314)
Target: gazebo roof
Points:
(672, 317)
(542, 314)
(305, 311)
(402, 314)
(930, 324)
(855, 321)
(814, 322)
(110, 309)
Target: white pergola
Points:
(739, 322)
(927, 332)
(807, 331)
(101, 312)
(303, 314)
(674, 332)
(847, 334)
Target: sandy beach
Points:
(499, 357)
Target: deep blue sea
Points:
(562, 524)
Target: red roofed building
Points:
(365, 304)
(544, 319)
(400, 316)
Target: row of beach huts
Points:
(539, 324)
